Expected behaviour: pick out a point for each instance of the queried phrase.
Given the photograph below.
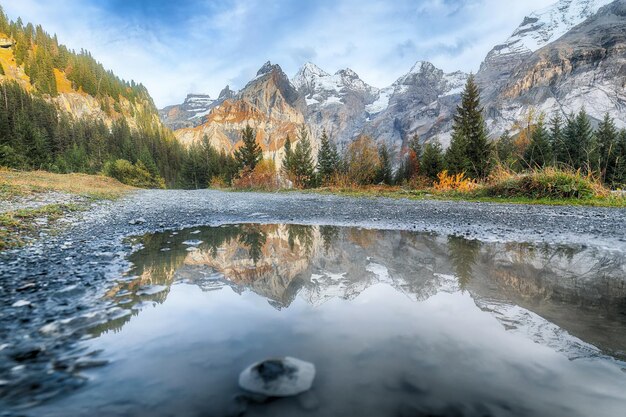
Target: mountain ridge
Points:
(423, 100)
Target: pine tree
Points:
(606, 139)
(618, 174)
(384, 174)
(538, 154)
(303, 167)
(287, 166)
(249, 154)
(327, 159)
(470, 150)
(578, 140)
(506, 152)
(432, 160)
(586, 150)
(560, 153)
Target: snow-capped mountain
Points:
(560, 59)
(320, 88)
(421, 101)
(345, 106)
(547, 25)
(582, 68)
(189, 113)
(335, 103)
(537, 30)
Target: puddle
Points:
(396, 323)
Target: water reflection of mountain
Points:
(581, 290)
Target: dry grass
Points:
(21, 183)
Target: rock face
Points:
(586, 67)
(423, 101)
(269, 103)
(281, 377)
(345, 106)
(188, 114)
(335, 103)
(536, 30)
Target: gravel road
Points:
(51, 290)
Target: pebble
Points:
(279, 377)
(21, 303)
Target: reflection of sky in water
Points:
(388, 336)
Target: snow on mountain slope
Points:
(320, 87)
(547, 25)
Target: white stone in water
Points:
(280, 377)
(21, 303)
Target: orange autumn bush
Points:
(454, 182)
(262, 177)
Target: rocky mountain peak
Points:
(197, 101)
(311, 70)
(422, 67)
(546, 25)
(347, 73)
(226, 93)
(267, 68)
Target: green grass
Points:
(477, 196)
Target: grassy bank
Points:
(547, 186)
(15, 184)
(18, 225)
(432, 194)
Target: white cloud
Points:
(224, 44)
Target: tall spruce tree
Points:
(287, 165)
(385, 174)
(250, 153)
(432, 160)
(606, 139)
(470, 150)
(586, 155)
(505, 152)
(618, 173)
(560, 153)
(538, 154)
(327, 159)
(303, 166)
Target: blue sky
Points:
(177, 47)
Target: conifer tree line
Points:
(40, 53)
(571, 143)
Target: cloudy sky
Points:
(176, 47)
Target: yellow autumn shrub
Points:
(454, 182)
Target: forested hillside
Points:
(62, 111)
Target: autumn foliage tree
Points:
(362, 160)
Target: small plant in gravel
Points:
(17, 225)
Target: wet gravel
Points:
(39, 200)
(51, 291)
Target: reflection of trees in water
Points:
(463, 256)
(364, 238)
(303, 234)
(329, 236)
(254, 237)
